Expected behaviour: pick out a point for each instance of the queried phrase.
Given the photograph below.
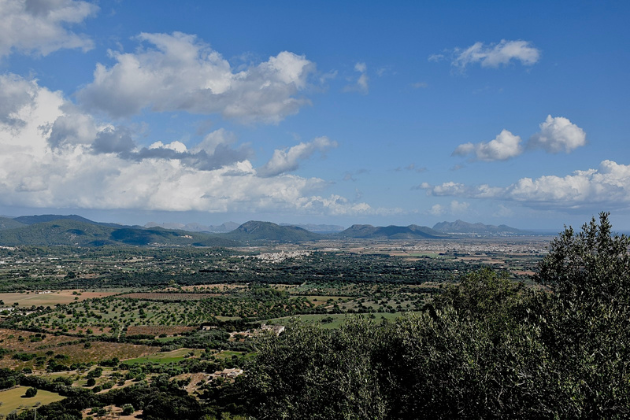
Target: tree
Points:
(584, 320)
(31, 392)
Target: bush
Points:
(127, 410)
(31, 392)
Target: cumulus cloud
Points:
(504, 146)
(288, 160)
(495, 55)
(49, 162)
(608, 186)
(454, 208)
(15, 94)
(558, 135)
(459, 207)
(40, 26)
(437, 210)
(179, 73)
(362, 83)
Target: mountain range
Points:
(461, 227)
(73, 230)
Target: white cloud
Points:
(458, 208)
(558, 135)
(504, 146)
(605, 187)
(437, 210)
(40, 26)
(362, 83)
(98, 166)
(495, 55)
(455, 208)
(180, 73)
(419, 85)
(288, 160)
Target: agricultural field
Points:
(13, 400)
(96, 321)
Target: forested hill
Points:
(8, 223)
(461, 227)
(72, 232)
(390, 232)
(255, 231)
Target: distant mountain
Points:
(390, 232)
(31, 220)
(78, 233)
(254, 231)
(461, 227)
(317, 228)
(196, 227)
(9, 223)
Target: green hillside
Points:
(8, 223)
(78, 233)
(254, 231)
(390, 232)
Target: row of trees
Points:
(487, 348)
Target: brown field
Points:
(15, 344)
(156, 330)
(77, 353)
(103, 351)
(222, 288)
(115, 413)
(49, 299)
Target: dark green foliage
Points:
(70, 231)
(487, 348)
(254, 231)
(312, 373)
(390, 232)
(30, 392)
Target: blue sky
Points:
(316, 112)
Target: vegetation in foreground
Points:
(487, 347)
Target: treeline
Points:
(487, 348)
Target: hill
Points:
(43, 218)
(195, 227)
(390, 232)
(8, 223)
(254, 231)
(78, 233)
(317, 228)
(460, 227)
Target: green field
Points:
(337, 319)
(12, 399)
(164, 357)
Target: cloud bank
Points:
(608, 186)
(54, 155)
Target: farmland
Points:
(85, 320)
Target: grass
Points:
(337, 319)
(12, 399)
(164, 357)
(48, 299)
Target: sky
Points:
(328, 112)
